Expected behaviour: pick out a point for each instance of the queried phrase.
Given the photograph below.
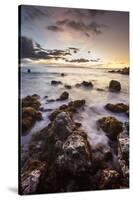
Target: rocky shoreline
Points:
(61, 157)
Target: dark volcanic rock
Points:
(77, 85)
(68, 86)
(63, 96)
(63, 74)
(29, 117)
(110, 179)
(100, 156)
(56, 82)
(68, 153)
(30, 113)
(75, 158)
(30, 177)
(87, 84)
(124, 71)
(31, 101)
(118, 108)
(114, 86)
(111, 126)
(72, 107)
(123, 141)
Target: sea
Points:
(38, 81)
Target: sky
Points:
(73, 37)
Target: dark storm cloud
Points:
(92, 27)
(31, 50)
(94, 13)
(62, 22)
(54, 28)
(34, 12)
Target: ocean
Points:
(38, 81)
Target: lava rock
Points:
(31, 101)
(29, 117)
(117, 108)
(30, 177)
(111, 126)
(53, 82)
(63, 96)
(110, 179)
(68, 86)
(87, 84)
(114, 86)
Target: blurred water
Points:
(39, 82)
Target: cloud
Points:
(31, 13)
(62, 22)
(54, 28)
(31, 50)
(94, 13)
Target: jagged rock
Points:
(72, 107)
(68, 86)
(110, 179)
(124, 71)
(87, 84)
(76, 104)
(63, 96)
(30, 177)
(118, 108)
(29, 117)
(75, 158)
(111, 126)
(31, 101)
(100, 156)
(53, 82)
(123, 141)
(114, 86)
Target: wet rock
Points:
(87, 84)
(45, 97)
(30, 177)
(29, 117)
(77, 85)
(75, 157)
(53, 82)
(111, 126)
(123, 141)
(118, 108)
(68, 86)
(114, 86)
(72, 107)
(124, 71)
(101, 155)
(63, 96)
(110, 179)
(76, 104)
(100, 89)
(63, 74)
(31, 101)
(50, 100)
